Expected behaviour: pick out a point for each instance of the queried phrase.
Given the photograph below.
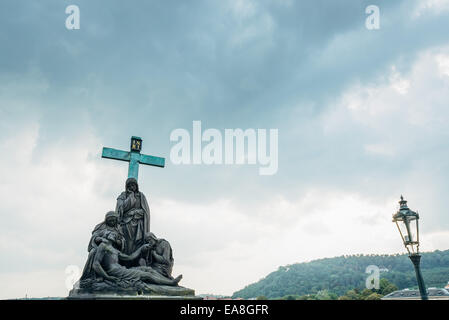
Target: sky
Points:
(361, 116)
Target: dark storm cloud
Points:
(147, 68)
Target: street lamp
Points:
(407, 223)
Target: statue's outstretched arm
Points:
(136, 254)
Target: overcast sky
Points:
(362, 117)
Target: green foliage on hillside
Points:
(337, 276)
(385, 288)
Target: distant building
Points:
(216, 297)
(219, 298)
(407, 294)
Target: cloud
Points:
(404, 132)
(430, 6)
(413, 105)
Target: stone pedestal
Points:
(111, 296)
(151, 292)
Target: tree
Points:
(351, 295)
(325, 295)
(366, 293)
(374, 296)
(386, 287)
(291, 297)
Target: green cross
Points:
(133, 157)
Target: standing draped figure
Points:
(134, 216)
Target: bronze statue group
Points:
(124, 256)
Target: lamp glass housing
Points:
(407, 222)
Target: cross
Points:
(133, 157)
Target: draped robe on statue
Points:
(100, 231)
(161, 258)
(134, 218)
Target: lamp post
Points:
(407, 223)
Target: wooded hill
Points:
(340, 274)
